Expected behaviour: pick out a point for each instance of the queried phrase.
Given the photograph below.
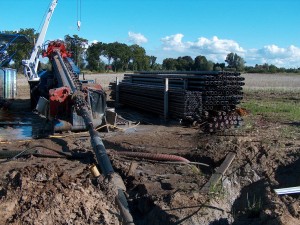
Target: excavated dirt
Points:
(37, 189)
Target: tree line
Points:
(120, 57)
(200, 63)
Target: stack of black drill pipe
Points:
(185, 104)
(221, 120)
(220, 92)
(182, 104)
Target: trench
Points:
(288, 175)
(248, 207)
(146, 210)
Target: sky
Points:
(260, 31)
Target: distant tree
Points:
(169, 64)
(202, 64)
(185, 63)
(124, 56)
(259, 68)
(120, 56)
(265, 68)
(272, 69)
(210, 65)
(77, 46)
(235, 61)
(200, 61)
(152, 61)
(139, 59)
(120, 53)
(157, 67)
(93, 54)
(219, 66)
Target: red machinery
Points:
(54, 46)
(57, 89)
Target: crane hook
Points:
(78, 25)
(78, 14)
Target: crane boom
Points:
(31, 65)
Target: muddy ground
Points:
(43, 190)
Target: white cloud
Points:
(216, 49)
(216, 46)
(272, 54)
(174, 42)
(136, 38)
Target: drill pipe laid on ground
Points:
(102, 157)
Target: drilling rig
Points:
(71, 105)
(53, 93)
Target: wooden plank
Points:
(226, 163)
(217, 176)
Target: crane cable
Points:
(78, 14)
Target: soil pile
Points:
(41, 194)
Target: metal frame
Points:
(7, 40)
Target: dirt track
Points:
(42, 190)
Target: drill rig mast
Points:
(31, 65)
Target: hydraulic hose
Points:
(154, 156)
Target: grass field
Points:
(275, 97)
(274, 82)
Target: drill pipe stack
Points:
(183, 104)
(196, 96)
(221, 120)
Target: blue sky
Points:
(261, 31)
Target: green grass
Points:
(274, 105)
(279, 110)
(217, 190)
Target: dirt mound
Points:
(47, 195)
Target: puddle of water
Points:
(16, 125)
